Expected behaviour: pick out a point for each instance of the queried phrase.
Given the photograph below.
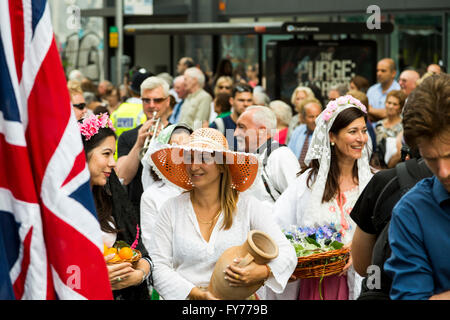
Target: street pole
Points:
(119, 50)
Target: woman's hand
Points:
(121, 274)
(292, 278)
(198, 294)
(349, 262)
(246, 276)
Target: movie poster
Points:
(321, 64)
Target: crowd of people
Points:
(197, 162)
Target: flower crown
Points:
(90, 125)
(332, 106)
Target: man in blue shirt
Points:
(180, 89)
(241, 98)
(419, 233)
(376, 94)
(301, 136)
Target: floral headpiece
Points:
(90, 125)
(332, 106)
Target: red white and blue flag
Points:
(50, 238)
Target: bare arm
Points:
(127, 166)
(362, 246)
(376, 114)
(441, 296)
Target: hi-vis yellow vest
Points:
(126, 117)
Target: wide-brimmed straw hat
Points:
(169, 161)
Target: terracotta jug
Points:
(259, 247)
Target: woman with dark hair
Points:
(359, 83)
(224, 68)
(117, 216)
(327, 189)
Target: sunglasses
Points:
(79, 106)
(224, 87)
(155, 100)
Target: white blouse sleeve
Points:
(149, 212)
(285, 208)
(282, 266)
(169, 284)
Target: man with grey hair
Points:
(255, 129)
(155, 99)
(197, 106)
(301, 136)
(180, 91)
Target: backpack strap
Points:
(405, 180)
(410, 172)
(267, 148)
(379, 220)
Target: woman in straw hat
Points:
(327, 189)
(194, 229)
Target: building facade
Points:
(420, 35)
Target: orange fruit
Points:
(126, 253)
(110, 251)
(105, 248)
(114, 259)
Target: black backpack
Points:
(408, 173)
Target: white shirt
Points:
(213, 114)
(151, 202)
(282, 168)
(109, 238)
(183, 259)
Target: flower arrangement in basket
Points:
(320, 251)
(123, 252)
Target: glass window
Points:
(242, 50)
(417, 41)
(80, 39)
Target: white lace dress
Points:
(290, 209)
(183, 259)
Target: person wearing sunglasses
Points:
(155, 98)
(77, 102)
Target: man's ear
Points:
(231, 101)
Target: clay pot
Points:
(259, 247)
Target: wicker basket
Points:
(322, 264)
(133, 260)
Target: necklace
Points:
(212, 220)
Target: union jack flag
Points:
(50, 238)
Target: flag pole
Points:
(119, 50)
